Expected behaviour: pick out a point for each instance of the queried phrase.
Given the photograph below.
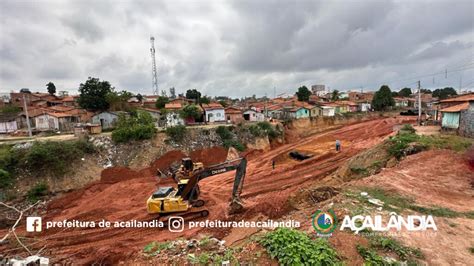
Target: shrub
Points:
(5, 179)
(138, 126)
(52, 157)
(224, 132)
(38, 191)
(408, 128)
(176, 133)
(293, 247)
(262, 129)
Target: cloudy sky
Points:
(236, 48)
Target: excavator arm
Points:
(240, 165)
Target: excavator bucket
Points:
(235, 206)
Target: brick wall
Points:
(466, 123)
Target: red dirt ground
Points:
(122, 194)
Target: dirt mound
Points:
(209, 156)
(167, 159)
(117, 174)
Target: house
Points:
(401, 101)
(299, 112)
(253, 116)
(8, 123)
(55, 121)
(173, 117)
(337, 108)
(69, 101)
(214, 112)
(450, 116)
(347, 106)
(106, 119)
(327, 110)
(233, 115)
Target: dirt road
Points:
(122, 193)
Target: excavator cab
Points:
(181, 199)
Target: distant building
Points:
(233, 115)
(106, 120)
(318, 89)
(214, 112)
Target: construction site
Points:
(277, 186)
(271, 133)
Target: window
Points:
(218, 114)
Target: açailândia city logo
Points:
(324, 222)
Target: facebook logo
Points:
(33, 224)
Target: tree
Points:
(383, 99)
(395, 94)
(335, 95)
(191, 111)
(303, 94)
(223, 103)
(118, 101)
(161, 101)
(93, 93)
(405, 92)
(426, 91)
(51, 88)
(205, 100)
(139, 97)
(193, 94)
(444, 93)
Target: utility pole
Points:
(27, 116)
(419, 102)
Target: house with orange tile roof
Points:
(233, 115)
(214, 112)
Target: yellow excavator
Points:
(185, 197)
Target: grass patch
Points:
(392, 245)
(154, 248)
(293, 247)
(262, 129)
(399, 144)
(398, 203)
(37, 192)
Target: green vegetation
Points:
(161, 101)
(444, 93)
(408, 128)
(405, 92)
(398, 203)
(6, 179)
(42, 158)
(191, 111)
(303, 94)
(93, 93)
(293, 247)
(398, 144)
(138, 126)
(176, 133)
(229, 139)
(392, 245)
(51, 88)
(118, 100)
(383, 99)
(52, 157)
(37, 192)
(154, 248)
(371, 257)
(262, 129)
(10, 109)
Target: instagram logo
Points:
(176, 224)
(33, 224)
